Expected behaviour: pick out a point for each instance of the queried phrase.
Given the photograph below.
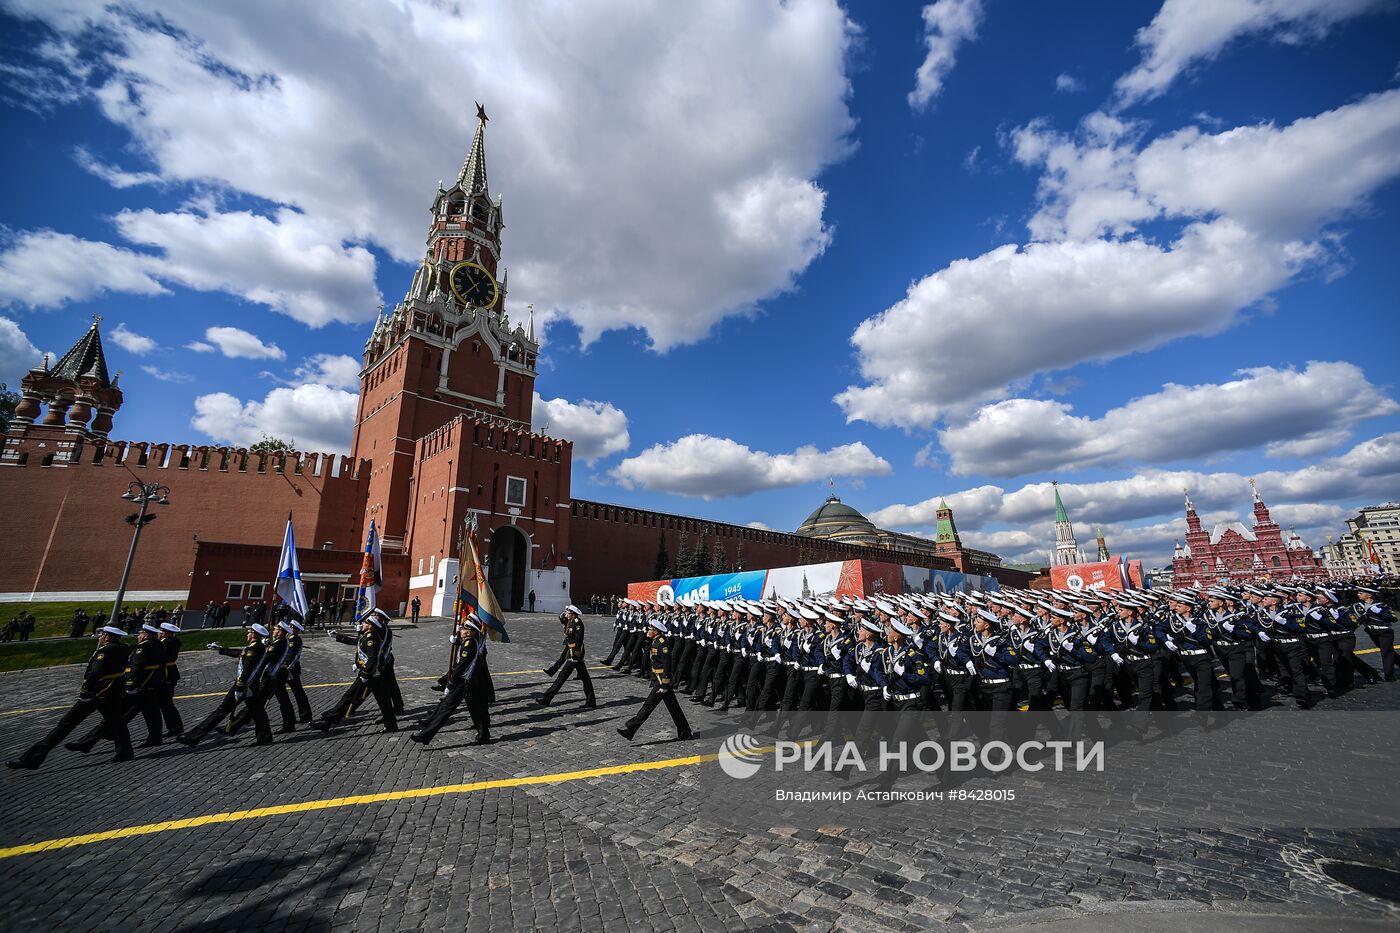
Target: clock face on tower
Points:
(473, 285)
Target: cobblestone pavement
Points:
(633, 850)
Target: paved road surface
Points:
(562, 825)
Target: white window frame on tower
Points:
(524, 491)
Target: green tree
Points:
(273, 444)
(739, 558)
(719, 561)
(702, 557)
(663, 560)
(685, 560)
(8, 402)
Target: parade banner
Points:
(1100, 575)
(747, 584)
(806, 581)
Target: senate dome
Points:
(838, 521)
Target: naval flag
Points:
(289, 575)
(371, 574)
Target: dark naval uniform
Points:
(251, 659)
(1379, 621)
(659, 653)
(145, 668)
(572, 661)
(996, 662)
(367, 681)
(468, 680)
(170, 676)
(101, 692)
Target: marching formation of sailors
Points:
(1024, 649)
(998, 651)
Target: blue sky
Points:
(959, 250)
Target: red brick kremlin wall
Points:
(70, 533)
(615, 545)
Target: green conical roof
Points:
(472, 180)
(946, 531)
(1060, 514)
(85, 358)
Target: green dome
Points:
(834, 518)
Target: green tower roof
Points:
(1060, 514)
(946, 531)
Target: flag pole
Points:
(276, 574)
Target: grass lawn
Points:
(52, 619)
(22, 655)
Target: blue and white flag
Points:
(371, 575)
(289, 575)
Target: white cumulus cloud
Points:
(715, 467)
(947, 25)
(310, 417)
(598, 429)
(1185, 32)
(332, 369)
(237, 344)
(687, 141)
(130, 341)
(1092, 287)
(46, 269)
(1370, 470)
(1143, 513)
(17, 354)
(1295, 413)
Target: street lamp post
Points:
(144, 494)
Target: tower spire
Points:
(1066, 547)
(472, 179)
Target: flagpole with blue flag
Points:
(371, 575)
(288, 585)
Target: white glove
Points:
(1117, 659)
(865, 666)
(938, 667)
(1050, 666)
(850, 680)
(1133, 638)
(972, 668)
(885, 692)
(899, 667)
(1190, 626)
(1228, 626)
(1171, 644)
(1264, 637)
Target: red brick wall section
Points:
(70, 525)
(615, 545)
(217, 563)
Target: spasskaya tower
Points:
(449, 351)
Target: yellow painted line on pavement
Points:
(340, 683)
(307, 806)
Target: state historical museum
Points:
(442, 432)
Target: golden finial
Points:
(97, 319)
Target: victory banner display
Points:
(1099, 575)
